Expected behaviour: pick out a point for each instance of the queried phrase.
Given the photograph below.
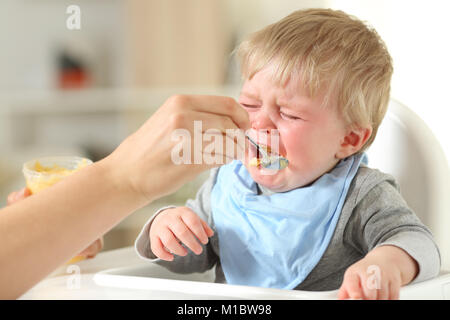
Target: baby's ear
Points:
(353, 141)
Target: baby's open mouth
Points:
(269, 160)
(257, 159)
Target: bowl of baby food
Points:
(42, 173)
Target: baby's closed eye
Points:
(289, 117)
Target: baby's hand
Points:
(379, 275)
(176, 225)
(15, 196)
(94, 248)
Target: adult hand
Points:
(90, 202)
(143, 161)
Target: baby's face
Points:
(309, 135)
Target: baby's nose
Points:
(263, 122)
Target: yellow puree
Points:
(51, 176)
(254, 162)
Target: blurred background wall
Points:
(82, 91)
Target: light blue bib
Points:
(276, 240)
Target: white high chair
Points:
(404, 147)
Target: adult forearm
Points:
(43, 231)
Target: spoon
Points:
(269, 161)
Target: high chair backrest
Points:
(406, 148)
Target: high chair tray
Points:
(153, 278)
(121, 274)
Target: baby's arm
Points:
(398, 248)
(191, 262)
(379, 275)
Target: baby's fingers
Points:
(351, 288)
(186, 236)
(18, 195)
(208, 230)
(394, 290)
(343, 293)
(171, 243)
(198, 227)
(159, 250)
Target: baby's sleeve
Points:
(201, 205)
(386, 219)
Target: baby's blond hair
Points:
(326, 49)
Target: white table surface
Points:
(96, 280)
(60, 284)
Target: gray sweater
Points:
(374, 214)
